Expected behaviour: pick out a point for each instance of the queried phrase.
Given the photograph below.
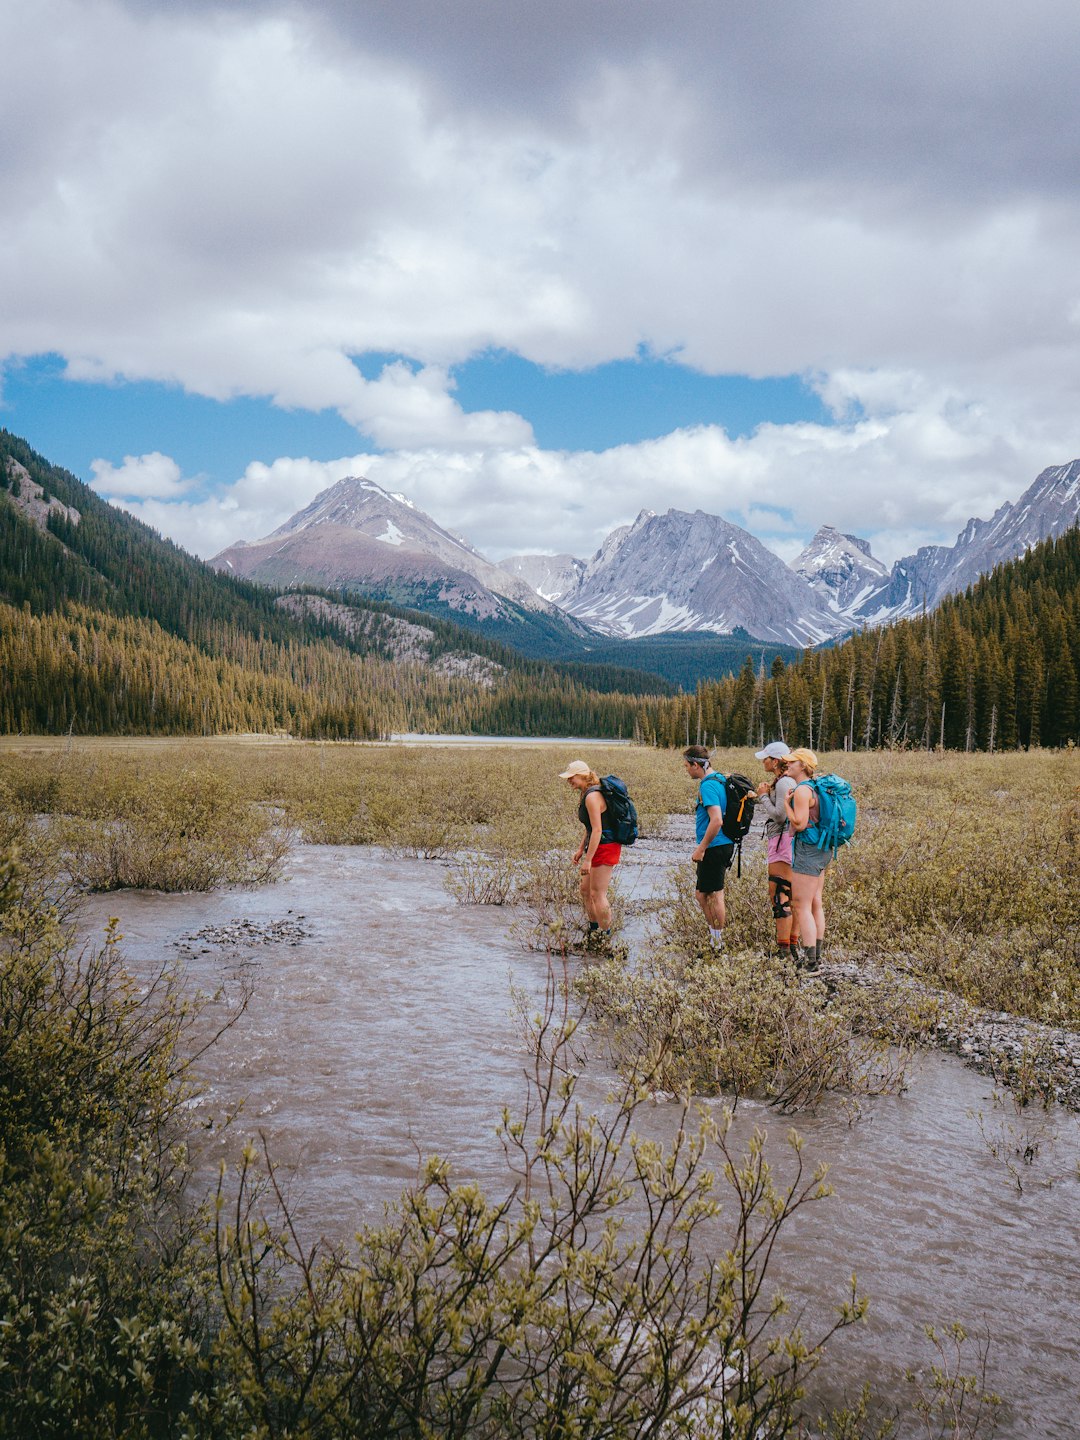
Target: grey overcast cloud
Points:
(240, 199)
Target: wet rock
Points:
(233, 934)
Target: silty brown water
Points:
(381, 1030)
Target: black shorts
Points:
(711, 870)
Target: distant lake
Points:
(409, 738)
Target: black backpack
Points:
(740, 796)
(620, 818)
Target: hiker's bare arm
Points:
(798, 807)
(711, 832)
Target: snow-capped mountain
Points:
(671, 572)
(357, 534)
(551, 576)
(840, 569)
(679, 571)
(1048, 507)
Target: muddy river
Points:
(381, 1029)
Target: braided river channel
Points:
(381, 1029)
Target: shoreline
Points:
(992, 1042)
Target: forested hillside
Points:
(107, 627)
(686, 657)
(994, 668)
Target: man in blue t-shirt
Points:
(714, 850)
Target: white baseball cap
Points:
(775, 750)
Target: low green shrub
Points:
(183, 831)
(103, 1281)
(478, 879)
(736, 1023)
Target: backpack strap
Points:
(810, 824)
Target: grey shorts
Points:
(809, 860)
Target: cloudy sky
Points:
(542, 265)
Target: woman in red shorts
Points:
(595, 857)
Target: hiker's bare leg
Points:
(780, 870)
(586, 894)
(600, 908)
(713, 908)
(819, 912)
(803, 889)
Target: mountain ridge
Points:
(681, 571)
(1048, 507)
(639, 590)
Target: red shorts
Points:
(607, 853)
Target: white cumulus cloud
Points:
(153, 476)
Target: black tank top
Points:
(583, 810)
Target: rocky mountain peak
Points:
(840, 568)
(356, 502)
(356, 531)
(832, 548)
(551, 576)
(683, 571)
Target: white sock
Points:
(717, 937)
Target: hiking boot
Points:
(805, 959)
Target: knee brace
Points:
(781, 904)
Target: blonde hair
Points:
(806, 758)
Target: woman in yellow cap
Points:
(808, 863)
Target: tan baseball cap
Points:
(576, 767)
(806, 758)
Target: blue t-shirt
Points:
(710, 792)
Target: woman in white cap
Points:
(772, 793)
(595, 857)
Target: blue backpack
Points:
(620, 818)
(836, 813)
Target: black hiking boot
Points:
(805, 959)
(599, 942)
